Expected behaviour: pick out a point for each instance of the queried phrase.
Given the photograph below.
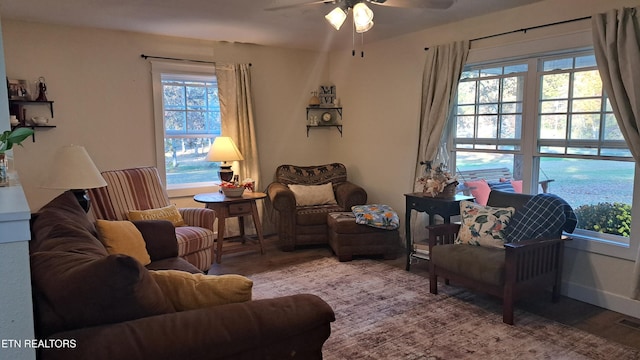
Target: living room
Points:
(103, 101)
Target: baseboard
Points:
(603, 299)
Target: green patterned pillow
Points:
(483, 225)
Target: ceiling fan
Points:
(362, 15)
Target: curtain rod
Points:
(178, 59)
(528, 28)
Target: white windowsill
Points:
(602, 247)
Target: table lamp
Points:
(73, 169)
(224, 149)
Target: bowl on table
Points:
(232, 191)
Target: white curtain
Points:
(442, 70)
(238, 121)
(616, 42)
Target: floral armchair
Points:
(140, 189)
(306, 223)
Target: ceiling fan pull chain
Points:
(353, 41)
(362, 45)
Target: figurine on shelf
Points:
(42, 90)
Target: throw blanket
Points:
(378, 216)
(544, 216)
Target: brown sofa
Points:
(109, 307)
(307, 225)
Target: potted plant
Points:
(7, 139)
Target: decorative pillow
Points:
(307, 195)
(123, 237)
(87, 290)
(517, 186)
(483, 225)
(188, 291)
(501, 186)
(480, 190)
(378, 216)
(170, 213)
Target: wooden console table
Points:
(432, 206)
(227, 207)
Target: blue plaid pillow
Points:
(501, 186)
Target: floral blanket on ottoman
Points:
(376, 215)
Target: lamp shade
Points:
(362, 15)
(336, 17)
(224, 149)
(72, 168)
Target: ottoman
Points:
(347, 238)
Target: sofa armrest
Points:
(349, 194)
(281, 197)
(200, 217)
(442, 234)
(269, 328)
(159, 237)
(531, 259)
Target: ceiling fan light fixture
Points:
(362, 15)
(336, 17)
(364, 28)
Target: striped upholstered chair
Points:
(141, 189)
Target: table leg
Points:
(241, 228)
(222, 218)
(256, 222)
(407, 234)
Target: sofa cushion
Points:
(335, 173)
(57, 217)
(87, 290)
(315, 215)
(483, 264)
(188, 291)
(308, 195)
(479, 190)
(123, 237)
(170, 213)
(483, 225)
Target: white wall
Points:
(102, 94)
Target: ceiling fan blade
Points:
(420, 4)
(290, 6)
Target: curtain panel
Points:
(616, 43)
(442, 69)
(238, 120)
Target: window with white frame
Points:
(548, 117)
(187, 122)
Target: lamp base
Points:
(83, 198)
(225, 173)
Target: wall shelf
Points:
(316, 117)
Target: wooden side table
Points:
(228, 207)
(432, 206)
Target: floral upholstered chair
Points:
(137, 194)
(301, 197)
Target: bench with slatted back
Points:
(491, 175)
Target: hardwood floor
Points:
(593, 319)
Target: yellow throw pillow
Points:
(313, 194)
(122, 237)
(188, 291)
(170, 213)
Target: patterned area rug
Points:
(383, 312)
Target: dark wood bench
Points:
(493, 174)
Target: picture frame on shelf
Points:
(17, 89)
(327, 95)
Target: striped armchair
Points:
(141, 189)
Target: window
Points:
(548, 117)
(187, 121)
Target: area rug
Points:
(383, 312)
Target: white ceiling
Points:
(245, 21)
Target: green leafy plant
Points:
(609, 218)
(13, 137)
